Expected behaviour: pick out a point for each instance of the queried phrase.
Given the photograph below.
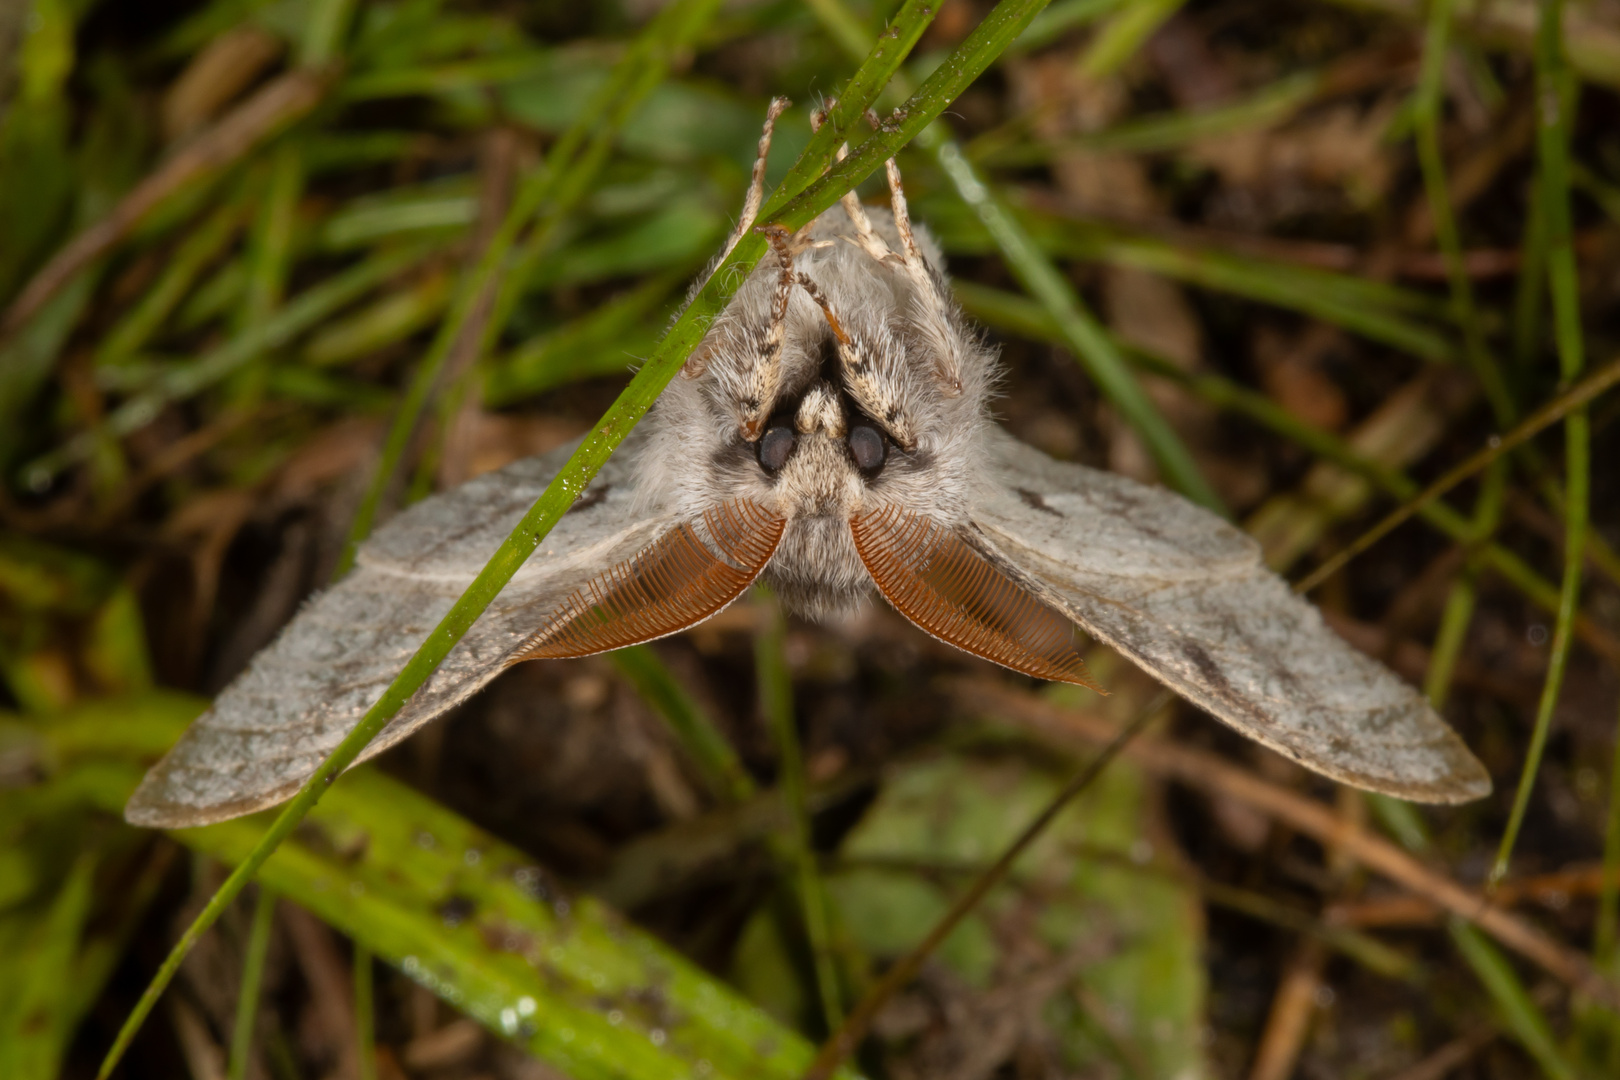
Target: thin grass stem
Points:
(1459, 610)
(575, 159)
(776, 702)
(843, 1040)
(1428, 100)
(365, 1012)
(1556, 102)
(722, 771)
(247, 999)
(966, 63)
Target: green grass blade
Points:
(965, 65)
(247, 1000)
(365, 1012)
(561, 183)
(1428, 104)
(1060, 18)
(1556, 100)
(723, 773)
(1124, 34)
(1269, 106)
(1519, 1011)
(1458, 613)
(303, 312)
(1375, 310)
(200, 247)
(1083, 335)
(33, 1021)
(776, 702)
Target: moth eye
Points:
(869, 449)
(775, 447)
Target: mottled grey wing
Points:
(271, 728)
(1185, 595)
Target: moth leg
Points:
(764, 378)
(873, 371)
(934, 318)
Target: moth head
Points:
(841, 392)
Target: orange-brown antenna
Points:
(937, 580)
(668, 585)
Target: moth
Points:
(831, 435)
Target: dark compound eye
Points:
(869, 449)
(775, 447)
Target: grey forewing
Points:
(271, 728)
(1185, 595)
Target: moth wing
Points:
(1186, 596)
(271, 727)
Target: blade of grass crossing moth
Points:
(960, 69)
(247, 994)
(1035, 272)
(1555, 104)
(723, 774)
(776, 702)
(642, 68)
(1436, 48)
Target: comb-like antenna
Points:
(936, 579)
(670, 584)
